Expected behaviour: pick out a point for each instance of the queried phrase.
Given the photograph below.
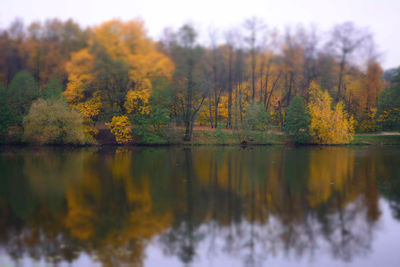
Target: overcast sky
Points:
(381, 17)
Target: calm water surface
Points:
(205, 206)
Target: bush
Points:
(121, 129)
(53, 122)
(256, 117)
(297, 121)
(150, 129)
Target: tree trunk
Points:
(188, 126)
(253, 74)
(229, 122)
(341, 71)
(210, 110)
(280, 114)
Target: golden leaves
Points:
(121, 129)
(80, 75)
(137, 101)
(328, 126)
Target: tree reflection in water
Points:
(111, 203)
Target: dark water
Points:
(205, 206)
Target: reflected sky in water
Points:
(202, 206)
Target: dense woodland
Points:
(60, 82)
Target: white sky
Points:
(381, 17)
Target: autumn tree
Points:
(328, 126)
(119, 66)
(372, 87)
(50, 45)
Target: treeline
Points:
(245, 78)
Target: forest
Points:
(61, 83)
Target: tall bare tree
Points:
(345, 40)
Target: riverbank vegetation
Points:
(62, 84)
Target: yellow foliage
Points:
(328, 126)
(127, 43)
(80, 75)
(137, 101)
(90, 131)
(368, 123)
(121, 129)
(90, 108)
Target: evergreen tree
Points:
(53, 88)
(388, 115)
(5, 113)
(297, 121)
(23, 90)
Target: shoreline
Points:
(230, 138)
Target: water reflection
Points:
(254, 204)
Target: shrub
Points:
(297, 121)
(53, 122)
(150, 129)
(121, 129)
(256, 117)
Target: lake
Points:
(200, 206)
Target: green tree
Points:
(256, 117)
(5, 113)
(23, 90)
(53, 88)
(53, 122)
(388, 115)
(297, 121)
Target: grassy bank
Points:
(225, 137)
(220, 137)
(205, 136)
(376, 139)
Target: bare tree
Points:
(187, 57)
(346, 39)
(253, 25)
(229, 37)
